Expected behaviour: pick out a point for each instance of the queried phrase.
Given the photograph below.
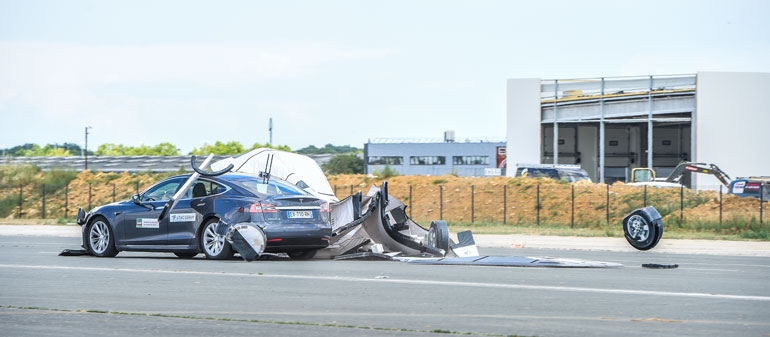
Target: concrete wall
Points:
(523, 122)
(732, 124)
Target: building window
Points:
(470, 160)
(386, 160)
(427, 160)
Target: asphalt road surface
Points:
(150, 294)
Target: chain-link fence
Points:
(573, 205)
(45, 201)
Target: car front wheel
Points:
(100, 240)
(214, 245)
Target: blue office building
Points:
(465, 158)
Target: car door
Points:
(185, 219)
(139, 222)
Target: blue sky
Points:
(339, 72)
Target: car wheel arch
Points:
(204, 220)
(112, 248)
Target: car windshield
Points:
(273, 187)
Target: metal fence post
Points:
(645, 197)
(473, 211)
(410, 201)
(505, 203)
(537, 204)
(761, 200)
(21, 199)
(113, 192)
(66, 198)
(42, 211)
(572, 217)
(607, 208)
(681, 205)
(89, 196)
(720, 205)
(441, 202)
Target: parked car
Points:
(569, 173)
(294, 221)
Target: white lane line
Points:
(416, 282)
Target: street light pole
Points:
(86, 149)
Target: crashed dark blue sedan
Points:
(293, 221)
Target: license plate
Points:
(300, 214)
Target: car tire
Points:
(100, 240)
(185, 255)
(641, 232)
(302, 254)
(438, 235)
(212, 244)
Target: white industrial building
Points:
(610, 125)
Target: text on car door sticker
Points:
(147, 223)
(183, 217)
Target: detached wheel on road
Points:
(214, 245)
(100, 241)
(438, 235)
(641, 230)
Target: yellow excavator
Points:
(758, 187)
(646, 176)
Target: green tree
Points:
(165, 149)
(55, 151)
(270, 146)
(329, 149)
(162, 149)
(109, 149)
(219, 148)
(49, 150)
(344, 164)
(29, 150)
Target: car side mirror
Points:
(135, 198)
